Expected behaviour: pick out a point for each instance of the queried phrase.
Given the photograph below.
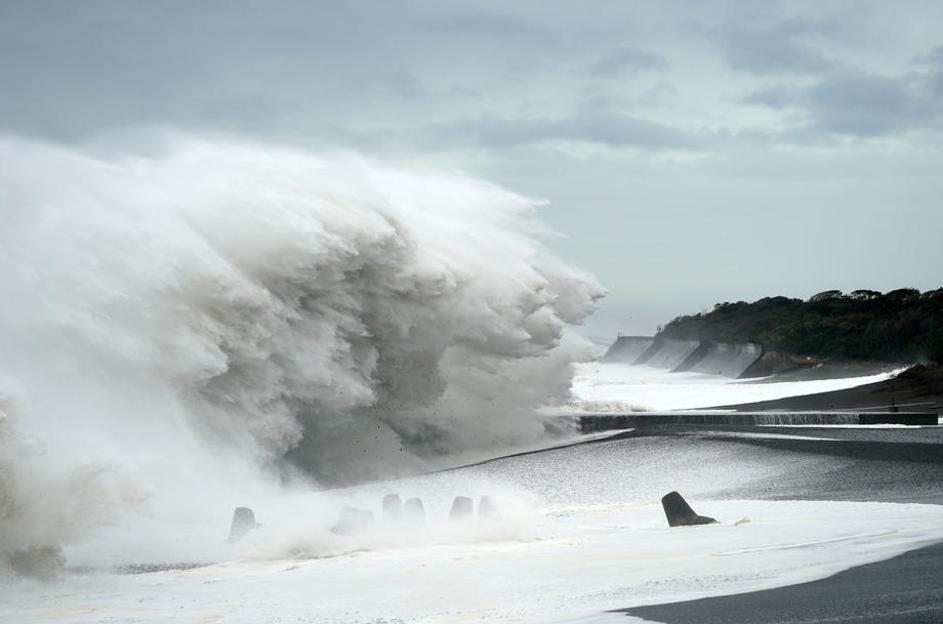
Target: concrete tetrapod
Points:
(414, 511)
(679, 513)
(243, 521)
(463, 509)
(392, 508)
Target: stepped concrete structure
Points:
(628, 349)
(721, 358)
(672, 354)
(733, 360)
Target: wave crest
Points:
(228, 305)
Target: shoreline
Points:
(901, 590)
(917, 389)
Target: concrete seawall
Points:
(670, 354)
(714, 358)
(776, 362)
(628, 349)
(605, 422)
(729, 360)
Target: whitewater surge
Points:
(184, 332)
(618, 387)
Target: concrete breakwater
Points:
(733, 360)
(606, 422)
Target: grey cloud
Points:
(772, 97)
(485, 85)
(402, 83)
(860, 104)
(934, 76)
(600, 127)
(625, 59)
(865, 105)
(297, 69)
(778, 48)
(471, 22)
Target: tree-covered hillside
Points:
(901, 325)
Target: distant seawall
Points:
(733, 360)
(655, 420)
(628, 349)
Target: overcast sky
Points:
(692, 152)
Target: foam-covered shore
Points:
(582, 532)
(570, 562)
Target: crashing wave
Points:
(226, 314)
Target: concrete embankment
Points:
(669, 354)
(715, 358)
(727, 359)
(735, 360)
(776, 363)
(628, 349)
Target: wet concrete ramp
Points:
(714, 358)
(667, 353)
(628, 349)
(722, 358)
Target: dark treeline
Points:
(903, 325)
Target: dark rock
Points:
(463, 509)
(679, 513)
(243, 521)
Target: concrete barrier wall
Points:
(721, 358)
(652, 349)
(606, 422)
(669, 354)
(714, 358)
(775, 362)
(627, 349)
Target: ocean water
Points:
(579, 531)
(219, 325)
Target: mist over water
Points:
(223, 322)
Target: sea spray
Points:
(202, 329)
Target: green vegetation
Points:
(903, 325)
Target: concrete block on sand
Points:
(679, 513)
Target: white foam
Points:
(567, 563)
(611, 386)
(582, 532)
(173, 325)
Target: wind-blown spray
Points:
(222, 316)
